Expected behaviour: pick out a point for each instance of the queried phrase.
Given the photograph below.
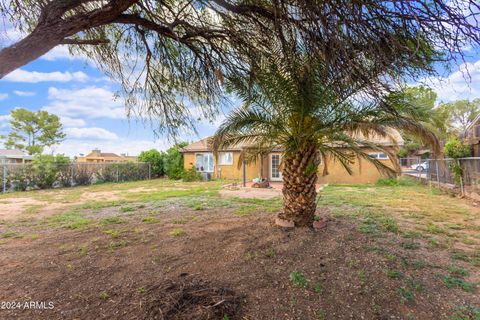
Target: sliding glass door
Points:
(204, 162)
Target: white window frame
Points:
(270, 164)
(378, 155)
(204, 155)
(223, 156)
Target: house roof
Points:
(394, 138)
(12, 152)
(103, 154)
(471, 124)
(109, 154)
(202, 145)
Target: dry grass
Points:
(395, 248)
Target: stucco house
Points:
(98, 156)
(9, 156)
(226, 163)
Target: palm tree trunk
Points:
(299, 186)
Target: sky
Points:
(83, 98)
(76, 91)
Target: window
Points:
(226, 158)
(204, 162)
(275, 173)
(379, 156)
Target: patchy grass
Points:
(10, 234)
(112, 233)
(245, 210)
(393, 274)
(395, 238)
(270, 253)
(460, 255)
(298, 279)
(467, 312)
(177, 232)
(458, 271)
(70, 220)
(409, 245)
(406, 294)
(111, 220)
(150, 220)
(127, 209)
(405, 207)
(452, 282)
(103, 295)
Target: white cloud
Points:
(90, 102)
(92, 133)
(21, 75)
(60, 52)
(3, 96)
(459, 84)
(72, 122)
(5, 120)
(24, 93)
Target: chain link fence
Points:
(441, 172)
(23, 177)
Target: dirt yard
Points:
(167, 250)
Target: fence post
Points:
(438, 174)
(419, 173)
(4, 178)
(149, 171)
(117, 175)
(462, 190)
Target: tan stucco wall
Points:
(363, 171)
(188, 160)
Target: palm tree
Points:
(288, 104)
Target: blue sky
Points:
(83, 97)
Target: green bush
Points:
(455, 149)
(402, 153)
(173, 161)
(48, 169)
(118, 172)
(155, 159)
(191, 175)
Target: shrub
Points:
(455, 149)
(117, 172)
(191, 175)
(173, 161)
(155, 159)
(402, 153)
(47, 169)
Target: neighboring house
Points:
(226, 164)
(98, 156)
(471, 135)
(8, 156)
